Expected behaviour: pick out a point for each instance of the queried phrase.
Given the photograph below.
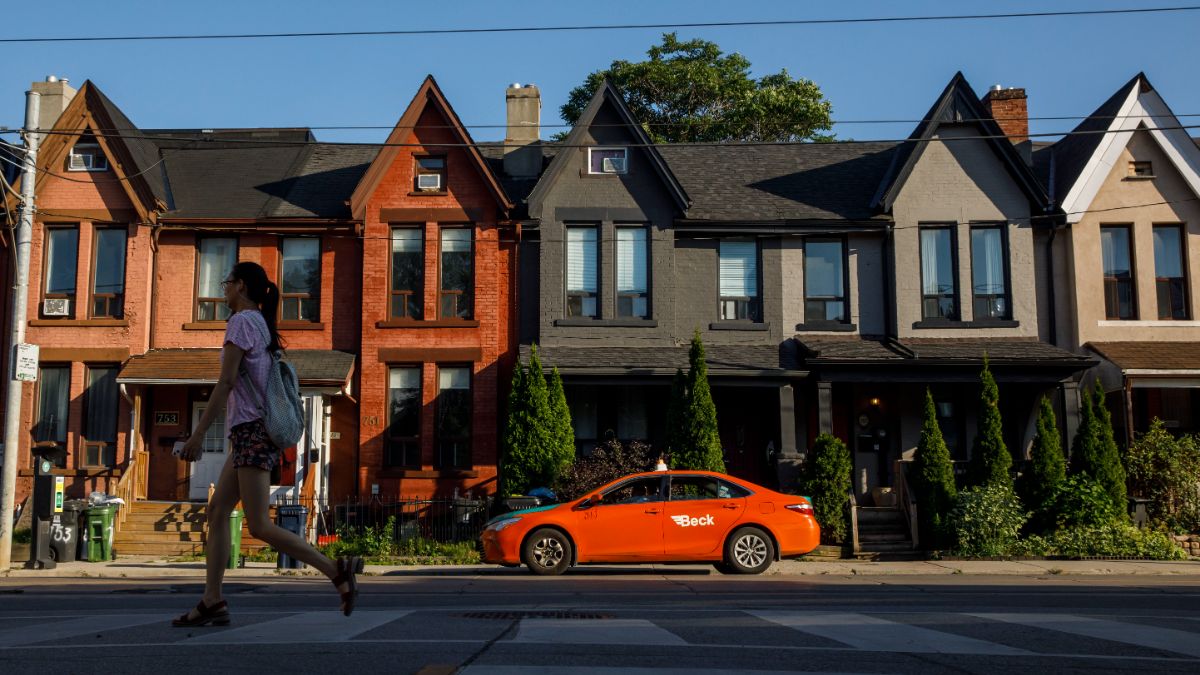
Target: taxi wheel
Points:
(547, 552)
(749, 551)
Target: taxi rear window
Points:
(704, 487)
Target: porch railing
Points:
(132, 485)
(855, 547)
(908, 501)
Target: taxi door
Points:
(700, 512)
(626, 524)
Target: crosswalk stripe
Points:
(873, 634)
(304, 627)
(595, 632)
(62, 630)
(1167, 639)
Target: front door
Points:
(207, 469)
(626, 524)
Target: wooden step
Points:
(889, 537)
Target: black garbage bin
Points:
(65, 531)
(469, 517)
(293, 518)
(521, 502)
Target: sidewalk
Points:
(132, 567)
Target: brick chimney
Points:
(56, 96)
(1010, 110)
(522, 156)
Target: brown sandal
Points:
(217, 615)
(348, 567)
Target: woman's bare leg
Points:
(216, 551)
(255, 487)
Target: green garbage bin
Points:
(235, 539)
(100, 532)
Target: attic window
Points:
(1141, 170)
(87, 156)
(608, 160)
(430, 174)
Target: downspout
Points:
(888, 300)
(154, 232)
(1051, 302)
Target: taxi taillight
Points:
(802, 507)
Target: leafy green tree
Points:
(1108, 470)
(827, 482)
(1048, 467)
(933, 481)
(990, 459)
(676, 412)
(562, 452)
(690, 91)
(701, 441)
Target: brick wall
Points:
(494, 337)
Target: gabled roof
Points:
(135, 160)
(428, 94)
(608, 94)
(957, 104)
(1082, 161)
(745, 183)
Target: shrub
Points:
(827, 482)
(1081, 501)
(701, 443)
(1108, 470)
(606, 463)
(1085, 447)
(1166, 470)
(1114, 539)
(538, 441)
(562, 434)
(1048, 467)
(932, 480)
(987, 521)
(990, 461)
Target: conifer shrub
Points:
(1048, 468)
(1108, 470)
(827, 482)
(701, 443)
(933, 481)
(991, 463)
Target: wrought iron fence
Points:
(442, 519)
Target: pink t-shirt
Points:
(247, 330)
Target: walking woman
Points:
(250, 339)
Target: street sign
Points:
(26, 363)
(59, 488)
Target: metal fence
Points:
(446, 519)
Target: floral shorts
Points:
(252, 446)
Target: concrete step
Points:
(883, 538)
(885, 547)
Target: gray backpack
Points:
(281, 409)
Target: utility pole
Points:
(12, 410)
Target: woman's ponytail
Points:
(264, 293)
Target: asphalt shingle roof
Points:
(313, 366)
(1071, 154)
(966, 350)
(809, 181)
(1150, 355)
(721, 359)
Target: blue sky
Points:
(893, 71)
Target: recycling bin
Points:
(100, 532)
(293, 518)
(65, 532)
(235, 539)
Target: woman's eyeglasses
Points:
(226, 284)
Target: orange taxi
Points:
(662, 516)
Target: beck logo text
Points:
(685, 521)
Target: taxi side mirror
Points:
(589, 501)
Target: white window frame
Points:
(98, 162)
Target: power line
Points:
(247, 143)
(607, 27)
(564, 125)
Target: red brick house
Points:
(438, 307)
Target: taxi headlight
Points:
(501, 524)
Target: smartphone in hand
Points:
(178, 449)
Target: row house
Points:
(1127, 184)
(831, 283)
(396, 270)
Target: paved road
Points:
(594, 621)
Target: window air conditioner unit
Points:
(83, 158)
(429, 181)
(613, 165)
(56, 307)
